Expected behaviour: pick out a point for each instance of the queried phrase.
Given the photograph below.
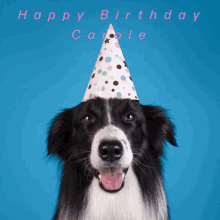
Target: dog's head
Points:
(103, 138)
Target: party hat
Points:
(110, 77)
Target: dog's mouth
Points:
(111, 180)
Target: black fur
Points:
(68, 135)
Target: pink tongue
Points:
(112, 182)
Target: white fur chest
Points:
(127, 204)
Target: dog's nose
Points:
(110, 150)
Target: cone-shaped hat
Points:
(110, 77)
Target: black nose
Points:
(110, 150)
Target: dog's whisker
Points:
(139, 166)
(142, 156)
(78, 161)
(83, 150)
(80, 152)
(138, 151)
(143, 164)
(87, 168)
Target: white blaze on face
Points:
(111, 132)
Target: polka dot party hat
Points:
(110, 77)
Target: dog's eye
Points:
(129, 117)
(88, 119)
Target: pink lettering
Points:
(128, 13)
(64, 16)
(51, 18)
(103, 36)
(130, 35)
(39, 15)
(165, 16)
(182, 13)
(142, 34)
(74, 33)
(80, 16)
(119, 35)
(22, 14)
(104, 14)
(117, 15)
(195, 17)
(92, 36)
(155, 15)
(140, 13)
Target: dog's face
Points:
(106, 137)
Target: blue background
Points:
(43, 70)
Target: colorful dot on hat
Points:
(127, 70)
(116, 55)
(101, 58)
(105, 49)
(119, 66)
(103, 88)
(117, 45)
(109, 68)
(118, 94)
(99, 71)
(133, 88)
(123, 78)
(108, 59)
(90, 96)
(104, 73)
(115, 83)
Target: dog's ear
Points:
(60, 135)
(159, 127)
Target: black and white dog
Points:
(110, 151)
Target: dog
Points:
(110, 151)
